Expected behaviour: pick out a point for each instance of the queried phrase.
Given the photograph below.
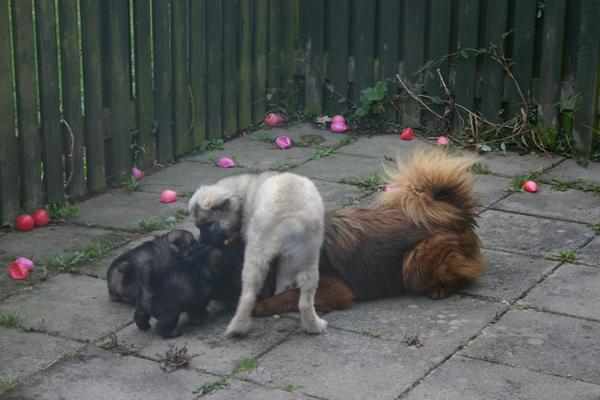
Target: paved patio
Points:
(529, 328)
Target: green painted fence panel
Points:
(414, 56)
(214, 71)
(144, 91)
(338, 20)
(363, 34)
(30, 141)
(245, 62)
(9, 154)
(52, 136)
(522, 55)
(181, 94)
(230, 68)
(259, 86)
(468, 25)
(314, 21)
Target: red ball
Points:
(530, 186)
(41, 217)
(24, 223)
(407, 134)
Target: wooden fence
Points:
(90, 87)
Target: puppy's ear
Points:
(223, 206)
(180, 241)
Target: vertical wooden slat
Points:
(143, 82)
(230, 71)
(468, 25)
(163, 76)
(495, 23)
(198, 69)
(551, 61)
(414, 44)
(587, 83)
(29, 131)
(52, 136)
(245, 63)
(117, 77)
(274, 59)
(291, 33)
(260, 60)
(213, 69)
(338, 20)
(92, 82)
(389, 38)
(314, 46)
(9, 155)
(524, 30)
(181, 96)
(438, 46)
(363, 33)
(71, 85)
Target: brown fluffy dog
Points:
(420, 238)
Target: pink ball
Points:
(18, 271)
(283, 142)
(137, 173)
(226, 162)
(338, 127)
(530, 186)
(338, 118)
(442, 141)
(272, 119)
(390, 186)
(168, 196)
(26, 262)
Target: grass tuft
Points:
(566, 255)
(8, 384)
(61, 210)
(323, 152)
(11, 320)
(246, 365)
(210, 387)
(595, 228)
(174, 358)
(370, 182)
(481, 168)
(69, 263)
(519, 180)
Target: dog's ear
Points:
(180, 241)
(223, 206)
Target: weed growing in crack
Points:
(566, 255)
(69, 263)
(11, 319)
(174, 358)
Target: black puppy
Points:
(184, 286)
(127, 270)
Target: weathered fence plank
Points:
(245, 61)
(52, 136)
(495, 25)
(144, 92)
(230, 70)
(363, 34)
(551, 62)
(587, 77)
(117, 78)
(523, 36)
(274, 62)
(468, 24)
(414, 56)
(163, 78)
(181, 95)
(338, 20)
(197, 70)
(314, 20)
(260, 60)
(214, 69)
(29, 131)
(71, 85)
(9, 155)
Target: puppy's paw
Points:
(440, 292)
(167, 333)
(238, 327)
(318, 326)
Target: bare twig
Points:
(193, 120)
(416, 97)
(71, 147)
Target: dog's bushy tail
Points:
(434, 189)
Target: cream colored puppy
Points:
(279, 216)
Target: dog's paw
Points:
(318, 326)
(166, 332)
(238, 328)
(440, 292)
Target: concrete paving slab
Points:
(336, 195)
(24, 353)
(249, 152)
(343, 365)
(590, 254)
(388, 146)
(251, 391)
(303, 133)
(8, 286)
(490, 188)
(339, 166)
(571, 290)
(465, 379)
(212, 351)
(125, 210)
(185, 177)
(529, 235)
(105, 375)
(441, 325)
(571, 205)
(542, 342)
(72, 306)
(569, 170)
(507, 276)
(511, 164)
